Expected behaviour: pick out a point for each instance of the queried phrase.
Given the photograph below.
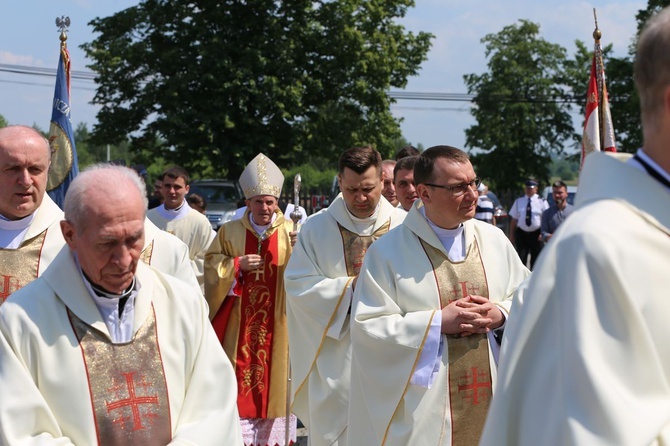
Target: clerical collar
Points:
(14, 225)
(258, 228)
(12, 232)
(452, 239)
(369, 219)
(106, 294)
(177, 209)
(174, 214)
(365, 226)
(652, 168)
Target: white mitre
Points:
(261, 177)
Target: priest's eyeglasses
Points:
(459, 189)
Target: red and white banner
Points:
(594, 127)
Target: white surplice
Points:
(191, 227)
(44, 379)
(585, 359)
(166, 253)
(396, 300)
(318, 293)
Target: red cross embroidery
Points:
(133, 401)
(474, 385)
(9, 285)
(464, 289)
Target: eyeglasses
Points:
(459, 189)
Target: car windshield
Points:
(216, 193)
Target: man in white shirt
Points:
(107, 350)
(525, 225)
(177, 217)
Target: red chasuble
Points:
(251, 324)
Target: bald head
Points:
(101, 186)
(105, 209)
(24, 166)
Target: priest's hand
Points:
(294, 237)
(250, 262)
(472, 314)
(486, 310)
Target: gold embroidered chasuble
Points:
(42, 242)
(127, 385)
(19, 267)
(355, 246)
(469, 384)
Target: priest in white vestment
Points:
(102, 349)
(585, 358)
(319, 279)
(178, 218)
(30, 235)
(429, 307)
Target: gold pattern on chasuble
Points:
(257, 308)
(355, 246)
(19, 267)
(469, 367)
(127, 385)
(146, 254)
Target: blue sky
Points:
(28, 36)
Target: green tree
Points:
(3, 122)
(521, 117)
(208, 84)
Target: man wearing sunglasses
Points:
(426, 324)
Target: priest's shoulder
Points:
(486, 228)
(182, 289)
(33, 298)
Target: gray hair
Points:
(652, 64)
(102, 175)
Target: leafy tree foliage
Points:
(521, 116)
(208, 84)
(3, 122)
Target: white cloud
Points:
(9, 58)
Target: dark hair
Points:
(406, 151)
(360, 159)
(560, 183)
(423, 170)
(175, 172)
(406, 163)
(197, 200)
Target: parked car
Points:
(221, 196)
(547, 195)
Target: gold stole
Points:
(355, 246)
(19, 267)
(147, 253)
(469, 368)
(127, 385)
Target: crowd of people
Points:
(398, 315)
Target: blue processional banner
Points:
(64, 166)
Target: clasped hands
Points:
(470, 315)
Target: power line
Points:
(88, 76)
